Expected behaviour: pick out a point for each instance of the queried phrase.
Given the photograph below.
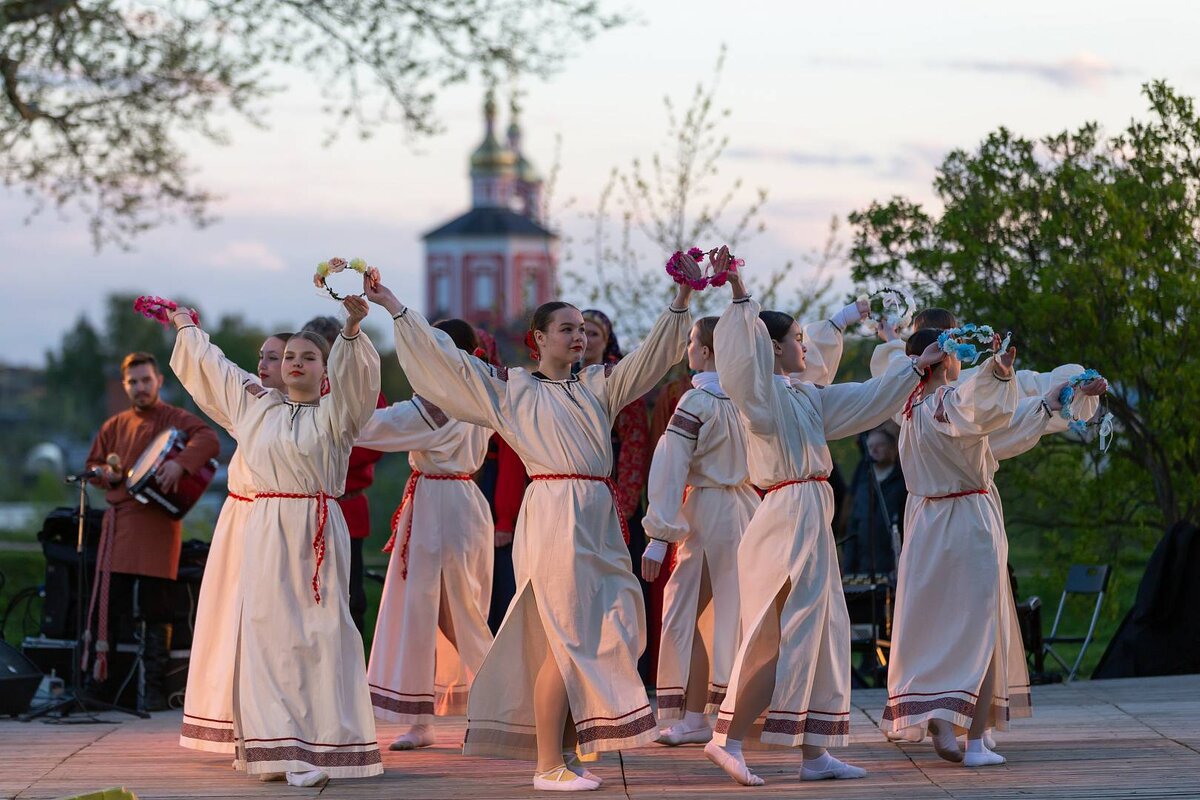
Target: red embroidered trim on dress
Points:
(958, 494)
(410, 489)
(319, 539)
(623, 731)
(793, 481)
(206, 734)
(317, 758)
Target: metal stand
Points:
(880, 634)
(74, 699)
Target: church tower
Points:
(496, 262)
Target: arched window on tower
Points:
(441, 294)
(485, 291)
(529, 291)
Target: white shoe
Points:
(414, 737)
(829, 768)
(677, 735)
(982, 757)
(561, 779)
(944, 741)
(314, 777)
(988, 741)
(571, 761)
(734, 766)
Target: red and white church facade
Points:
(496, 262)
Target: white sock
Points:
(978, 755)
(734, 747)
(823, 761)
(825, 766)
(694, 720)
(976, 746)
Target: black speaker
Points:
(59, 535)
(19, 680)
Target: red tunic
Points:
(147, 540)
(360, 474)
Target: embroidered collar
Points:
(783, 380)
(541, 376)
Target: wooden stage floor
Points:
(1136, 738)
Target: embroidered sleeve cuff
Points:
(400, 314)
(912, 361)
(350, 338)
(185, 327)
(675, 310)
(745, 299)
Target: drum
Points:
(142, 479)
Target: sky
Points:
(833, 105)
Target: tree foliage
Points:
(1086, 245)
(673, 200)
(96, 93)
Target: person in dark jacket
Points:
(869, 547)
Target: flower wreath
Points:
(1077, 425)
(159, 309)
(334, 265)
(891, 306)
(710, 276)
(960, 342)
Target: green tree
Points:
(1087, 246)
(97, 93)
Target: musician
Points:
(139, 547)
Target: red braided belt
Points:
(793, 481)
(958, 494)
(612, 489)
(410, 489)
(240, 498)
(318, 540)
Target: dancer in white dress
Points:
(208, 701)
(570, 641)
(794, 660)
(701, 500)
(432, 634)
(300, 704)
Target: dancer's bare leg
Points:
(551, 713)
(978, 754)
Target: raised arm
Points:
(825, 340)
(220, 388)
(746, 364)
(353, 383)
(984, 403)
(662, 349)
(850, 408)
(464, 386)
(415, 424)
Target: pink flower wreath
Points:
(710, 277)
(159, 309)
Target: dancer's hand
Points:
(650, 569)
(691, 271)
(1094, 387)
(356, 311)
(182, 317)
(931, 355)
(738, 286)
(379, 294)
(503, 538)
(1002, 364)
(1053, 397)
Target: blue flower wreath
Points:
(952, 342)
(1079, 426)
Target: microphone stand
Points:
(74, 699)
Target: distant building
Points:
(496, 262)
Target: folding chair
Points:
(1082, 579)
